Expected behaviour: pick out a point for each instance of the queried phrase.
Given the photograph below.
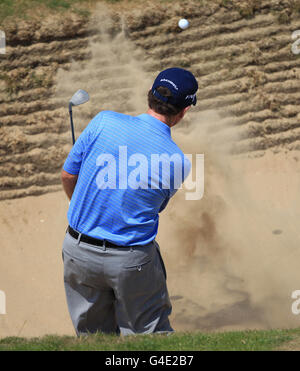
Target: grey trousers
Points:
(116, 290)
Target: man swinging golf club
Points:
(115, 280)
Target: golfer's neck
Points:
(162, 118)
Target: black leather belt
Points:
(91, 240)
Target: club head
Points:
(80, 97)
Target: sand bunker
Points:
(231, 257)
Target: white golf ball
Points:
(183, 23)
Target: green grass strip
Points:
(196, 341)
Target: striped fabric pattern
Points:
(118, 196)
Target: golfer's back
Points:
(128, 168)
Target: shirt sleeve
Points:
(186, 168)
(74, 160)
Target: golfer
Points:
(119, 175)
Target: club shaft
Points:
(72, 126)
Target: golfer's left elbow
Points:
(67, 177)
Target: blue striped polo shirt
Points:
(128, 168)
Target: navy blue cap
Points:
(182, 84)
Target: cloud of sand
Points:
(113, 76)
(232, 256)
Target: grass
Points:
(196, 341)
(14, 9)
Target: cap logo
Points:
(170, 82)
(192, 96)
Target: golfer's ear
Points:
(183, 112)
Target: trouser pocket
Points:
(75, 262)
(137, 267)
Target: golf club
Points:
(80, 97)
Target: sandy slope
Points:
(32, 231)
(232, 257)
(246, 70)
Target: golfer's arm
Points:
(69, 182)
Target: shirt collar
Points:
(155, 123)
